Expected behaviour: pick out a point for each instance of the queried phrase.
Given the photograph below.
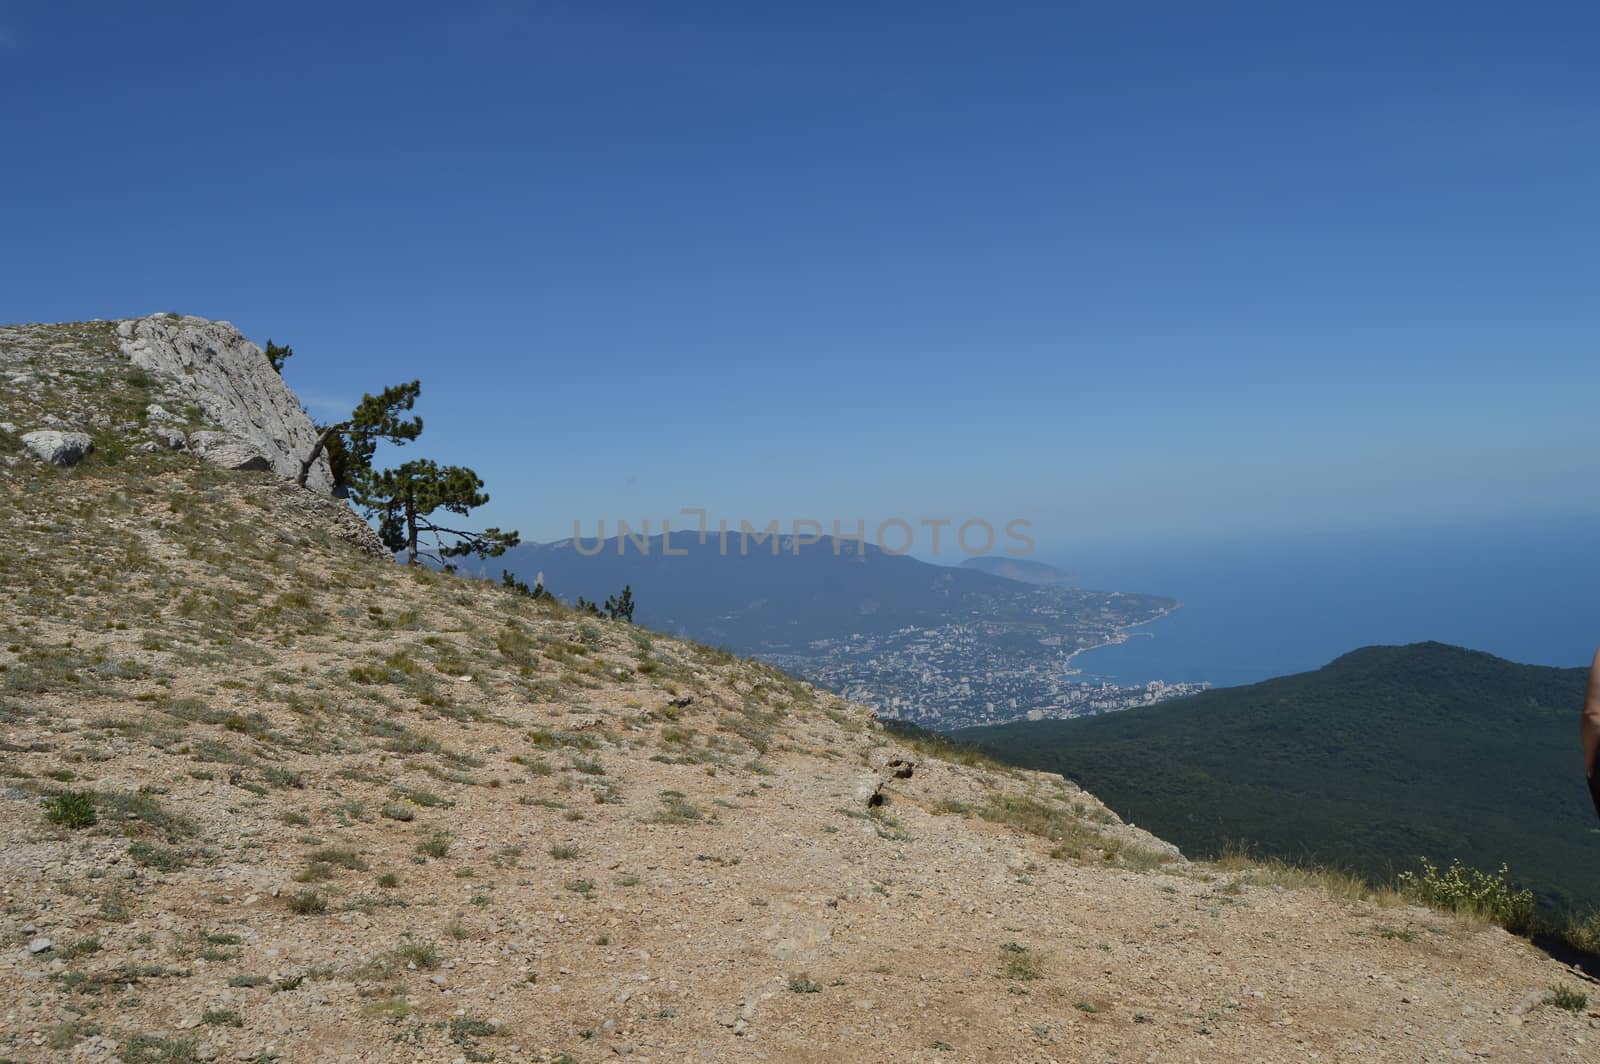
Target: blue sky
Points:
(1144, 272)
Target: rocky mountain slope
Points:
(268, 797)
(163, 381)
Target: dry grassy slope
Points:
(348, 811)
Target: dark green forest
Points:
(1384, 755)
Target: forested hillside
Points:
(1386, 754)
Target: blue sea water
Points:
(1524, 590)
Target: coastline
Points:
(1119, 636)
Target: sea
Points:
(1258, 607)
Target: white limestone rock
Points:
(56, 447)
(213, 366)
(228, 451)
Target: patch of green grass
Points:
(281, 777)
(1020, 963)
(1564, 997)
(435, 845)
(1584, 932)
(150, 1049)
(1272, 872)
(1141, 858)
(802, 984)
(161, 858)
(1047, 820)
(222, 1018)
(116, 907)
(506, 856)
(471, 1027)
(422, 954)
(563, 851)
(929, 744)
(426, 799)
(348, 812)
(393, 1008)
(64, 1036)
(676, 809)
(315, 872)
(536, 766)
(71, 809)
(887, 825)
(140, 812)
(343, 858)
(308, 903)
(81, 948)
(577, 740)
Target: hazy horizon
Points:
(1522, 587)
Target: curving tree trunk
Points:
(317, 449)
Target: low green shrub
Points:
(71, 809)
(1469, 890)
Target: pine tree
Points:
(341, 464)
(405, 499)
(509, 581)
(278, 355)
(620, 607)
(350, 443)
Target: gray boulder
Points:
(58, 448)
(228, 451)
(212, 365)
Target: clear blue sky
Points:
(1155, 270)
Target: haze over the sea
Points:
(1266, 606)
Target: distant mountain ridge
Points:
(758, 598)
(1385, 754)
(1022, 569)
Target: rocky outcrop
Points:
(213, 366)
(58, 448)
(336, 515)
(228, 451)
